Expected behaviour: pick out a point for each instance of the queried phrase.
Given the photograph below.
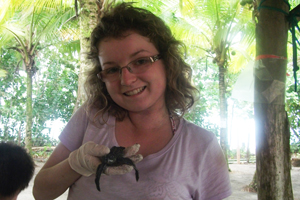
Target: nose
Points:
(127, 78)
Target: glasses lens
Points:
(110, 74)
(139, 66)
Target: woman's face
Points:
(134, 92)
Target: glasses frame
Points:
(151, 58)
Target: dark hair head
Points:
(16, 169)
(114, 23)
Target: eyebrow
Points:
(131, 55)
(134, 54)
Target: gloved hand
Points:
(85, 160)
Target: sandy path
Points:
(240, 176)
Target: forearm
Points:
(52, 182)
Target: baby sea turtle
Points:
(114, 158)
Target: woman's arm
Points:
(56, 176)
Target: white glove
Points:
(85, 160)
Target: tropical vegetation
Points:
(43, 60)
(202, 30)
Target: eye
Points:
(111, 70)
(141, 61)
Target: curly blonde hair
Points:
(115, 22)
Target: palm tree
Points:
(27, 27)
(88, 18)
(221, 23)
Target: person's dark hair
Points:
(16, 169)
(114, 23)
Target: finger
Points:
(98, 150)
(123, 169)
(129, 151)
(92, 163)
(136, 158)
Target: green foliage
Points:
(42, 154)
(54, 94)
(293, 110)
(200, 25)
(293, 107)
(12, 101)
(55, 91)
(205, 80)
(292, 97)
(295, 147)
(28, 27)
(232, 153)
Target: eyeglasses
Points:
(137, 66)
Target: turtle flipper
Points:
(100, 169)
(128, 161)
(137, 176)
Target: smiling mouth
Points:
(136, 91)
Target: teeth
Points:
(133, 92)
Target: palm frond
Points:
(21, 43)
(2, 73)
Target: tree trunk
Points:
(6, 126)
(248, 148)
(89, 17)
(253, 184)
(19, 133)
(272, 129)
(29, 115)
(238, 151)
(6, 131)
(223, 112)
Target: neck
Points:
(149, 120)
(152, 130)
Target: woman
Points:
(137, 92)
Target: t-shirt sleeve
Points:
(215, 182)
(73, 133)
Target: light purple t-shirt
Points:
(190, 166)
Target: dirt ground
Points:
(240, 176)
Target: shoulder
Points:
(88, 114)
(196, 141)
(196, 133)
